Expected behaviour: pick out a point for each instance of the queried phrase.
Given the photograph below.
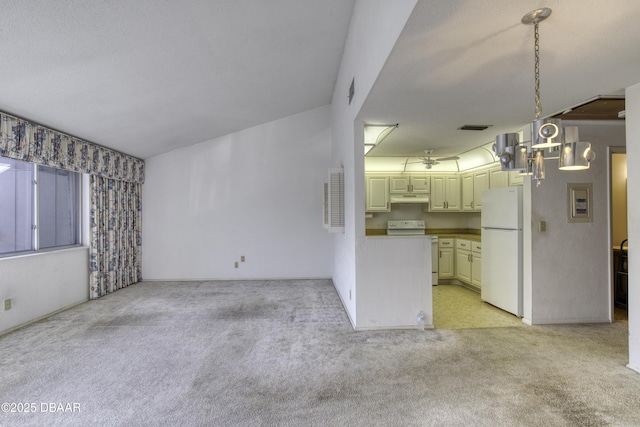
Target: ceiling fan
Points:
(428, 161)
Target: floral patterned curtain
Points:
(29, 142)
(116, 179)
(115, 250)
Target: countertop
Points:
(462, 233)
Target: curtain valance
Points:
(30, 142)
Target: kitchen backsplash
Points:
(432, 219)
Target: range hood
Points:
(409, 198)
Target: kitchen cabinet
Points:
(463, 260)
(515, 178)
(446, 261)
(469, 262)
(476, 264)
(377, 193)
(445, 193)
(409, 184)
(473, 184)
(498, 178)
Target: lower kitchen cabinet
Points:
(463, 260)
(476, 264)
(469, 262)
(446, 260)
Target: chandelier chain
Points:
(537, 71)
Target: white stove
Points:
(416, 227)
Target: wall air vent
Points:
(333, 204)
(474, 127)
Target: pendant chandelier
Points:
(546, 133)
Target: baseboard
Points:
(37, 319)
(234, 279)
(634, 367)
(381, 328)
(353, 324)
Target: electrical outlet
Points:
(7, 304)
(242, 258)
(235, 264)
(542, 226)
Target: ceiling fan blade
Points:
(449, 158)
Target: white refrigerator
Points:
(501, 222)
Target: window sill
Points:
(44, 252)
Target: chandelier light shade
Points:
(505, 148)
(537, 166)
(522, 160)
(575, 154)
(546, 133)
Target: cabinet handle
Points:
(439, 254)
(472, 205)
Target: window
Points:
(39, 207)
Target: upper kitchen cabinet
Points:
(499, 178)
(473, 184)
(445, 193)
(405, 184)
(515, 178)
(377, 193)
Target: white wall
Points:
(569, 262)
(394, 282)
(632, 101)
(257, 193)
(43, 283)
(373, 31)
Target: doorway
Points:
(618, 232)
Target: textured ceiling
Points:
(147, 76)
(471, 62)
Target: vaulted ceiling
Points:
(146, 76)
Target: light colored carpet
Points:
(283, 353)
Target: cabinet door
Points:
(420, 184)
(480, 183)
(377, 194)
(399, 184)
(446, 264)
(476, 269)
(452, 192)
(515, 178)
(463, 265)
(437, 199)
(467, 192)
(498, 178)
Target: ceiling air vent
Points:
(473, 127)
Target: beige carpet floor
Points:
(282, 353)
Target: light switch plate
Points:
(542, 226)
